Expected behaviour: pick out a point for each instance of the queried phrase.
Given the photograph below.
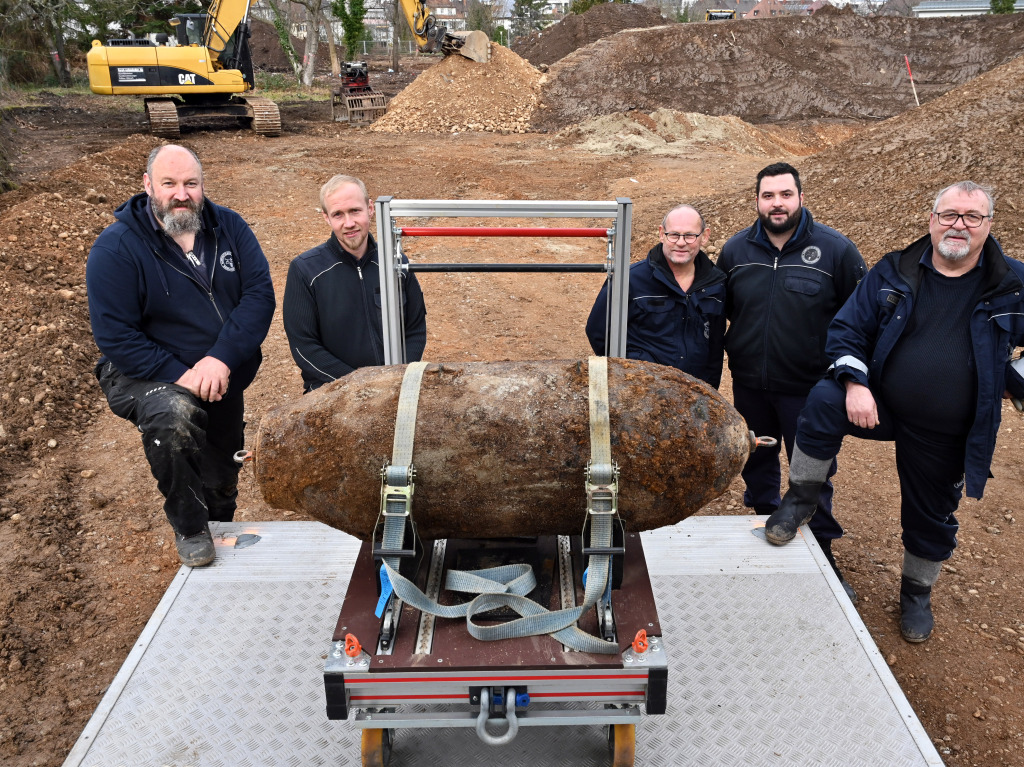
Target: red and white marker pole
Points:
(906, 59)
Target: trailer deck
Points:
(228, 672)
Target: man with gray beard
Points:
(180, 300)
(922, 355)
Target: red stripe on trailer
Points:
(603, 694)
(501, 231)
(373, 679)
(461, 696)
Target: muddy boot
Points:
(195, 550)
(797, 508)
(826, 547)
(919, 575)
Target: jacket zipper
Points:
(209, 293)
(369, 317)
(767, 321)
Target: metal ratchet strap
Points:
(397, 489)
(508, 585)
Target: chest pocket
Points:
(806, 285)
(709, 306)
(656, 312)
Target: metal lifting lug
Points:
(602, 494)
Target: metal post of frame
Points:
(617, 262)
(389, 264)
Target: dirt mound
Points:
(574, 31)
(666, 132)
(787, 68)
(269, 56)
(878, 187)
(457, 94)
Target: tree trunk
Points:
(282, 27)
(312, 46)
(332, 48)
(396, 39)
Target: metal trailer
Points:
(769, 665)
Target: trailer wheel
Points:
(622, 744)
(376, 748)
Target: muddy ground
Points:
(85, 551)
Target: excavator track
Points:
(266, 117)
(163, 118)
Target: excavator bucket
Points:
(475, 45)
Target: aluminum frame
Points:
(390, 266)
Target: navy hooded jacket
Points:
(868, 326)
(153, 320)
(664, 324)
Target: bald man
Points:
(180, 300)
(676, 313)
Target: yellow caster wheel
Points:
(622, 744)
(376, 748)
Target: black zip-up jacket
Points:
(780, 303)
(153, 319)
(666, 325)
(332, 313)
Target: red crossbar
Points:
(500, 231)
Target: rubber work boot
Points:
(797, 508)
(916, 621)
(195, 550)
(826, 547)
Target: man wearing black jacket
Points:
(788, 275)
(180, 300)
(332, 309)
(676, 314)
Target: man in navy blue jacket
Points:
(676, 313)
(787, 277)
(922, 356)
(180, 300)
(332, 305)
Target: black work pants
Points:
(930, 466)
(771, 414)
(190, 445)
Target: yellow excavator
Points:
(203, 73)
(431, 36)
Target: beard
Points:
(181, 221)
(787, 225)
(955, 250)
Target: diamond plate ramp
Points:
(769, 665)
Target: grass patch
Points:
(281, 87)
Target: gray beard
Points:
(182, 223)
(949, 252)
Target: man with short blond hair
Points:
(676, 313)
(332, 309)
(921, 356)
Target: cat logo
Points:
(186, 79)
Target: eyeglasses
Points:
(688, 238)
(950, 217)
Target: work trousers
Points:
(930, 465)
(771, 414)
(190, 445)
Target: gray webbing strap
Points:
(398, 473)
(507, 586)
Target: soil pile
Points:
(574, 31)
(269, 56)
(666, 132)
(787, 68)
(457, 94)
(878, 187)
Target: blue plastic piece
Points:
(385, 592)
(522, 699)
(499, 698)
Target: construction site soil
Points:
(85, 551)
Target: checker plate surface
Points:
(228, 671)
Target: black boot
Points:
(916, 620)
(826, 547)
(796, 509)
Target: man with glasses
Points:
(922, 356)
(787, 277)
(676, 313)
